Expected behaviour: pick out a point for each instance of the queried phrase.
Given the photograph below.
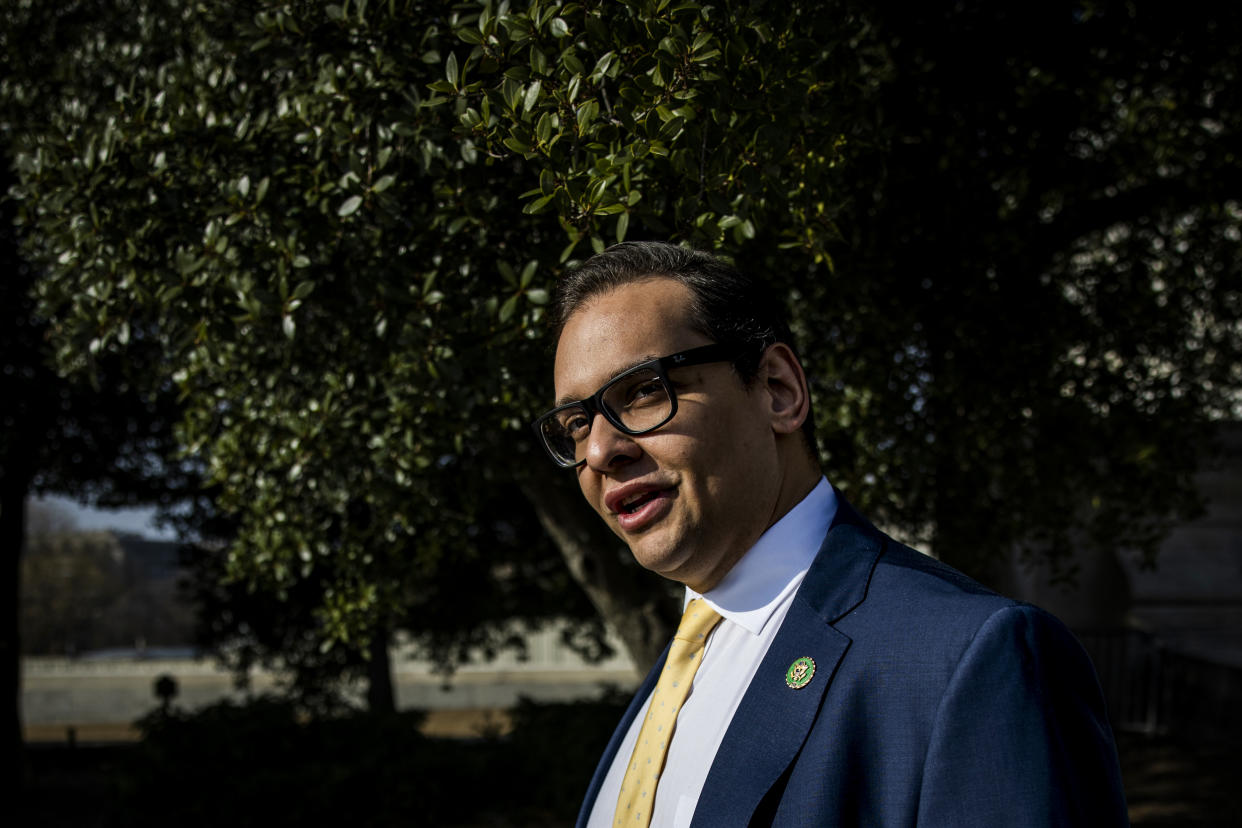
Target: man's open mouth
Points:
(633, 504)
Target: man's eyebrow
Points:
(566, 399)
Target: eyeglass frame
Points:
(594, 404)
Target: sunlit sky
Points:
(139, 521)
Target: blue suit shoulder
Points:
(858, 567)
(921, 587)
(915, 607)
(974, 708)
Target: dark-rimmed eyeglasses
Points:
(636, 401)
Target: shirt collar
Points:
(758, 583)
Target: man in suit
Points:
(836, 677)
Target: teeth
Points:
(631, 504)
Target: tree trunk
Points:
(1099, 597)
(12, 531)
(380, 697)
(636, 604)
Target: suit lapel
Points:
(773, 720)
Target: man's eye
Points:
(577, 426)
(646, 391)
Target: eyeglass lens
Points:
(638, 401)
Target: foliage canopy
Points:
(1009, 239)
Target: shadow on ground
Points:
(1172, 782)
(261, 765)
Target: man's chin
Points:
(667, 562)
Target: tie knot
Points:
(696, 622)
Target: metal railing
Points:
(1151, 689)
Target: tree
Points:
(110, 444)
(338, 226)
(270, 173)
(1039, 313)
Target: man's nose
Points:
(607, 447)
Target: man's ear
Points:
(784, 383)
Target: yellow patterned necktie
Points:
(639, 785)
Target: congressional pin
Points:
(800, 673)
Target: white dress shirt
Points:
(752, 599)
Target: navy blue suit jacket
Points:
(935, 702)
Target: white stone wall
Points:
(59, 692)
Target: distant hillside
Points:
(94, 590)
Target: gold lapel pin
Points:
(800, 673)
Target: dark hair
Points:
(728, 306)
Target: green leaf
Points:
(450, 70)
(349, 206)
(538, 61)
(517, 146)
(528, 272)
(507, 309)
(532, 96)
(595, 190)
(586, 113)
(538, 204)
(543, 129)
(511, 91)
(603, 66)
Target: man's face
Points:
(691, 497)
